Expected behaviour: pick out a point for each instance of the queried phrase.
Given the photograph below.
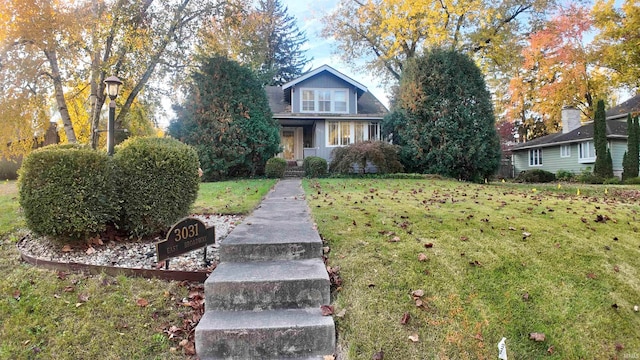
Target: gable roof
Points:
(328, 69)
(368, 104)
(630, 106)
(615, 129)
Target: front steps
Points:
(293, 172)
(263, 300)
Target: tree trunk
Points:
(52, 56)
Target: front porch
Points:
(298, 141)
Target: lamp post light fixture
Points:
(113, 86)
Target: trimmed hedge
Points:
(315, 167)
(67, 191)
(157, 182)
(536, 176)
(275, 167)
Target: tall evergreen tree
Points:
(265, 38)
(603, 166)
(631, 156)
(282, 58)
(444, 120)
(226, 117)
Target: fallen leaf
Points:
(428, 245)
(328, 357)
(142, 302)
(414, 338)
(616, 268)
(475, 263)
(405, 319)
(464, 238)
(67, 248)
(525, 235)
(394, 239)
(61, 275)
(619, 347)
(525, 296)
(417, 293)
(550, 350)
(478, 337)
(16, 295)
(615, 306)
(591, 275)
(189, 349)
(342, 313)
(69, 289)
(378, 356)
(536, 336)
(83, 297)
(635, 308)
(327, 310)
(90, 250)
(422, 257)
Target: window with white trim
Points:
(340, 133)
(587, 152)
(324, 101)
(565, 151)
(535, 157)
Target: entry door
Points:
(288, 140)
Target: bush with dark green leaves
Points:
(358, 157)
(536, 176)
(443, 119)
(564, 175)
(603, 167)
(157, 182)
(275, 167)
(226, 117)
(315, 167)
(632, 181)
(68, 191)
(586, 176)
(631, 157)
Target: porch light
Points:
(113, 86)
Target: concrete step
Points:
(260, 239)
(267, 285)
(274, 334)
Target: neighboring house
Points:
(573, 149)
(321, 110)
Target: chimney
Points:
(570, 119)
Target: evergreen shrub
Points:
(315, 167)
(275, 167)
(564, 175)
(67, 191)
(157, 182)
(536, 176)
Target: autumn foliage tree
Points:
(558, 70)
(226, 117)
(443, 120)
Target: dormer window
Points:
(324, 100)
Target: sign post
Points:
(185, 236)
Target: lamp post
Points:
(113, 86)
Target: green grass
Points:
(571, 269)
(47, 315)
(237, 197)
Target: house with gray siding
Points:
(321, 110)
(573, 149)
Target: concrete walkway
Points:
(263, 300)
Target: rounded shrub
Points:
(536, 176)
(275, 167)
(68, 191)
(157, 182)
(315, 166)
(376, 156)
(564, 175)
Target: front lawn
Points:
(443, 269)
(50, 315)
